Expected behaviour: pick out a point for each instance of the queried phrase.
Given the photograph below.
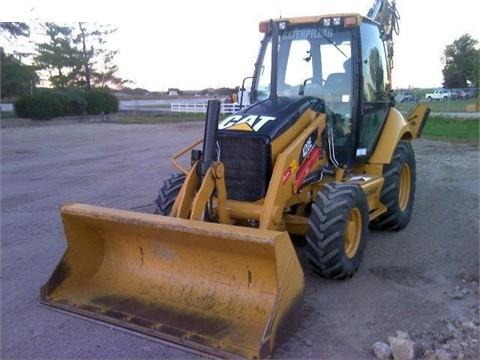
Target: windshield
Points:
(312, 61)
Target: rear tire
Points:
(168, 193)
(337, 231)
(398, 190)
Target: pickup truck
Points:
(439, 94)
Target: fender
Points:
(398, 128)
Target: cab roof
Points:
(347, 20)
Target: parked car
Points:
(439, 94)
(469, 93)
(408, 97)
(405, 97)
(457, 94)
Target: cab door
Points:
(374, 89)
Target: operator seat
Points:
(339, 84)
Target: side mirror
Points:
(393, 102)
(244, 94)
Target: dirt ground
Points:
(422, 280)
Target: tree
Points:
(461, 63)
(16, 77)
(15, 29)
(77, 56)
(57, 56)
(86, 55)
(97, 61)
(107, 70)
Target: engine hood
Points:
(269, 118)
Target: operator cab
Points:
(339, 59)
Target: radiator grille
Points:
(247, 163)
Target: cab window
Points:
(375, 90)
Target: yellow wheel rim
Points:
(353, 232)
(405, 187)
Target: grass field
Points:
(452, 129)
(440, 106)
(157, 119)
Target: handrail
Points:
(182, 152)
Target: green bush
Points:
(22, 106)
(47, 104)
(74, 102)
(43, 106)
(101, 102)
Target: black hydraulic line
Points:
(210, 137)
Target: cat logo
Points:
(247, 123)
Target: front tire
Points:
(168, 193)
(398, 190)
(337, 231)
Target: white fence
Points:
(202, 108)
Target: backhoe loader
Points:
(320, 153)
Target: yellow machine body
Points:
(219, 288)
(220, 274)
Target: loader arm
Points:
(196, 194)
(205, 182)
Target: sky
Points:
(189, 44)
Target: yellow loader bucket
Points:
(221, 289)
